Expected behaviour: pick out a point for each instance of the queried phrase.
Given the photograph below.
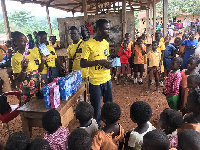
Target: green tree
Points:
(176, 7)
(20, 18)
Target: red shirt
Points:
(124, 56)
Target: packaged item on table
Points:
(52, 83)
(54, 96)
(65, 89)
(45, 91)
(56, 80)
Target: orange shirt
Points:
(184, 79)
(104, 141)
(4, 47)
(138, 57)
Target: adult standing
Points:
(94, 56)
(75, 51)
(27, 71)
(190, 46)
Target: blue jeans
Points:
(96, 92)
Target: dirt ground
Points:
(122, 95)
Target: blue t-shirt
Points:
(31, 45)
(169, 50)
(188, 52)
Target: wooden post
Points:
(6, 22)
(97, 8)
(151, 8)
(85, 10)
(147, 24)
(49, 22)
(133, 26)
(114, 6)
(123, 18)
(165, 19)
(154, 18)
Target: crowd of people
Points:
(172, 65)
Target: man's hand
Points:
(170, 57)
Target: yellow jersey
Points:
(71, 50)
(34, 61)
(97, 50)
(50, 59)
(161, 47)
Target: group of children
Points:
(174, 132)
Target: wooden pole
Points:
(49, 22)
(151, 8)
(6, 22)
(85, 10)
(165, 19)
(97, 8)
(133, 26)
(123, 18)
(154, 18)
(147, 24)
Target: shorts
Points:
(139, 68)
(124, 69)
(153, 72)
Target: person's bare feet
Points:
(117, 83)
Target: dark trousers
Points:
(96, 92)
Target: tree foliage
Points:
(176, 7)
(24, 22)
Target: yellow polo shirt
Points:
(161, 47)
(34, 61)
(76, 62)
(97, 50)
(50, 59)
(154, 58)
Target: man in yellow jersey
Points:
(94, 56)
(75, 51)
(160, 49)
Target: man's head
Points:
(103, 28)
(52, 39)
(42, 37)
(9, 52)
(74, 33)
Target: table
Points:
(32, 112)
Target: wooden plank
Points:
(123, 18)
(147, 24)
(67, 117)
(85, 10)
(165, 18)
(154, 18)
(49, 22)
(6, 22)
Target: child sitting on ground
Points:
(155, 140)
(51, 122)
(111, 134)
(192, 120)
(79, 139)
(39, 144)
(124, 53)
(169, 54)
(189, 140)
(172, 83)
(192, 63)
(17, 141)
(140, 113)
(84, 113)
(139, 52)
(153, 66)
(170, 121)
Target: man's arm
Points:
(70, 65)
(84, 63)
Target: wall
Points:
(115, 22)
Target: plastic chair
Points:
(12, 113)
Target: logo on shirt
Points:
(105, 52)
(79, 50)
